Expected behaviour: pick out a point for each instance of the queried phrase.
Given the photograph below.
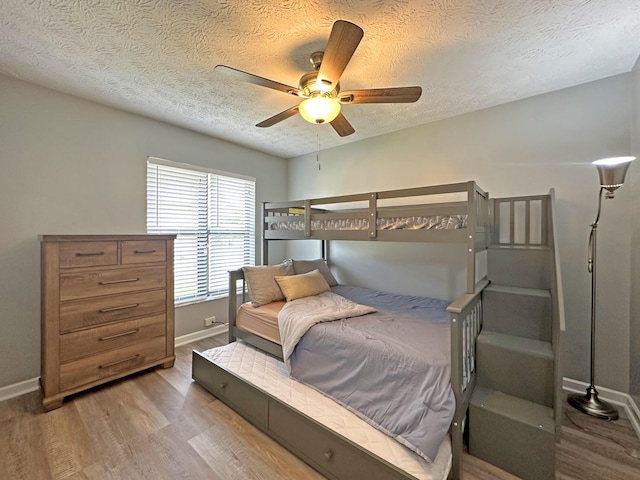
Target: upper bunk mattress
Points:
(270, 374)
(433, 222)
(391, 367)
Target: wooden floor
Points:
(161, 425)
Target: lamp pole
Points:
(611, 172)
(590, 403)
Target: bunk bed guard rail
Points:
(464, 222)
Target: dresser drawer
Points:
(112, 362)
(106, 282)
(95, 340)
(143, 251)
(88, 254)
(91, 312)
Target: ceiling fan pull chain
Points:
(318, 150)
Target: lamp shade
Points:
(612, 171)
(319, 109)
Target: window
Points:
(213, 214)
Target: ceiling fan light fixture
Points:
(319, 109)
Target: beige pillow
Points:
(303, 285)
(261, 283)
(304, 266)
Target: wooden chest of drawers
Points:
(107, 309)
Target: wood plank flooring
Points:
(159, 425)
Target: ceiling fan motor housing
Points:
(309, 81)
(316, 59)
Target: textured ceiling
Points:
(156, 57)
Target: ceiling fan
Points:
(320, 88)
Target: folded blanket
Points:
(300, 315)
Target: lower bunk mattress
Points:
(259, 371)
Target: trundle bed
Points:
(252, 378)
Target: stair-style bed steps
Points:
(516, 365)
(525, 267)
(515, 409)
(525, 312)
(514, 433)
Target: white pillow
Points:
(261, 283)
(303, 285)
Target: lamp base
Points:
(592, 405)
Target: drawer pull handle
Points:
(89, 254)
(113, 309)
(117, 335)
(223, 386)
(112, 282)
(140, 252)
(117, 362)
(328, 455)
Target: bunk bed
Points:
(406, 215)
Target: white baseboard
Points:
(614, 397)
(33, 384)
(20, 388)
(206, 333)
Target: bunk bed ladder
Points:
(516, 406)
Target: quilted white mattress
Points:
(270, 374)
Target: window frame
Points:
(245, 232)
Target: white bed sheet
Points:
(270, 374)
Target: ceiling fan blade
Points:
(341, 125)
(256, 80)
(382, 95)
(290, 112)
(343, 41)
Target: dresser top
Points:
(94, 238)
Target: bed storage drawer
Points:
(328, 451)
(245, 399)
(333, 456)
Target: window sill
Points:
(201, 300)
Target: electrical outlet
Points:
(209, 321)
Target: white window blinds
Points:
(213, 215)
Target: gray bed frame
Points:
(330, 453)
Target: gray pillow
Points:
(306, 266)
(261, 282)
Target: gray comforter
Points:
(392, 367)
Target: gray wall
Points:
(635, 239)
(73, 166)
(520, 148)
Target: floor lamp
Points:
(612, 172)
